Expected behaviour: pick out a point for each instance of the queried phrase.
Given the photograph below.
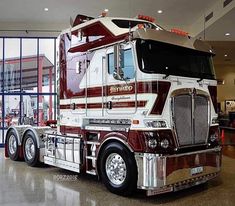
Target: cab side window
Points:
(127, 64)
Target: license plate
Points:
(196, 170)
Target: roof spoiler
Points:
(81, 19)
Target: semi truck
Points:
(136, 107)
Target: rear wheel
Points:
(118, 169)
(12, 145)
(31, 150)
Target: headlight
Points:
(215, 121)
(214, 137)
(152, 143)
(165, 143)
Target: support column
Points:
(40, 98)
(50, 90)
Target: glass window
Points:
(29, 110)
(127, 64)
(46, 109)
(12, 65)
(1, 111)
(29, 65)
(1, 65)
(155, 57)
(11, 110)
(46, 65)
(1, 122)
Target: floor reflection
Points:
(35, 186)
(23, 185)
(228, 142)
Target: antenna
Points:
(204, 31)
(129, 31)
(71, 21)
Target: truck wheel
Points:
(12, 145)
(30, 149)
(118, 169)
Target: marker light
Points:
(179, 32)
(146, 18)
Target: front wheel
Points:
(31, 151)
(118, 169)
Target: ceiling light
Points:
(227, 34)
(46, 9)
(159, 11)
(225, 55)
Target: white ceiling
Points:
(25, 14)
(175, 12)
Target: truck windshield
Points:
(162, 58)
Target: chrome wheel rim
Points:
(115, 169)
(12, 144)
(29, 149)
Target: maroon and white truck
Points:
(136, 107)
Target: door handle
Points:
(109, 105)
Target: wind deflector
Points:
(92, 36)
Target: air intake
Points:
(227, 2)
(209, 16)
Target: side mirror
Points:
(118, 73)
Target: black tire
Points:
(128, 182)
(12, 145)
(30, 157)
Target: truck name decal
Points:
(125, 88)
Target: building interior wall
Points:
(226, 91)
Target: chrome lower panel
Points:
(71, 166)
(182, 185)
(156, 173)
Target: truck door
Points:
(120, 80)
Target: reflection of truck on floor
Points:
(137, 107)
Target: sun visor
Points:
(172, 38)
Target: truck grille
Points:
(190, 115)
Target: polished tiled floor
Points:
(21, 185)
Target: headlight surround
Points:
(214, 136)
(160, 141)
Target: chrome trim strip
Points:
(216, 149)
(119, 140)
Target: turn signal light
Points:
(136, 121)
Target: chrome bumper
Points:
(160, 174)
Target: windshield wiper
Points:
(167, 75)
(201, 78)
